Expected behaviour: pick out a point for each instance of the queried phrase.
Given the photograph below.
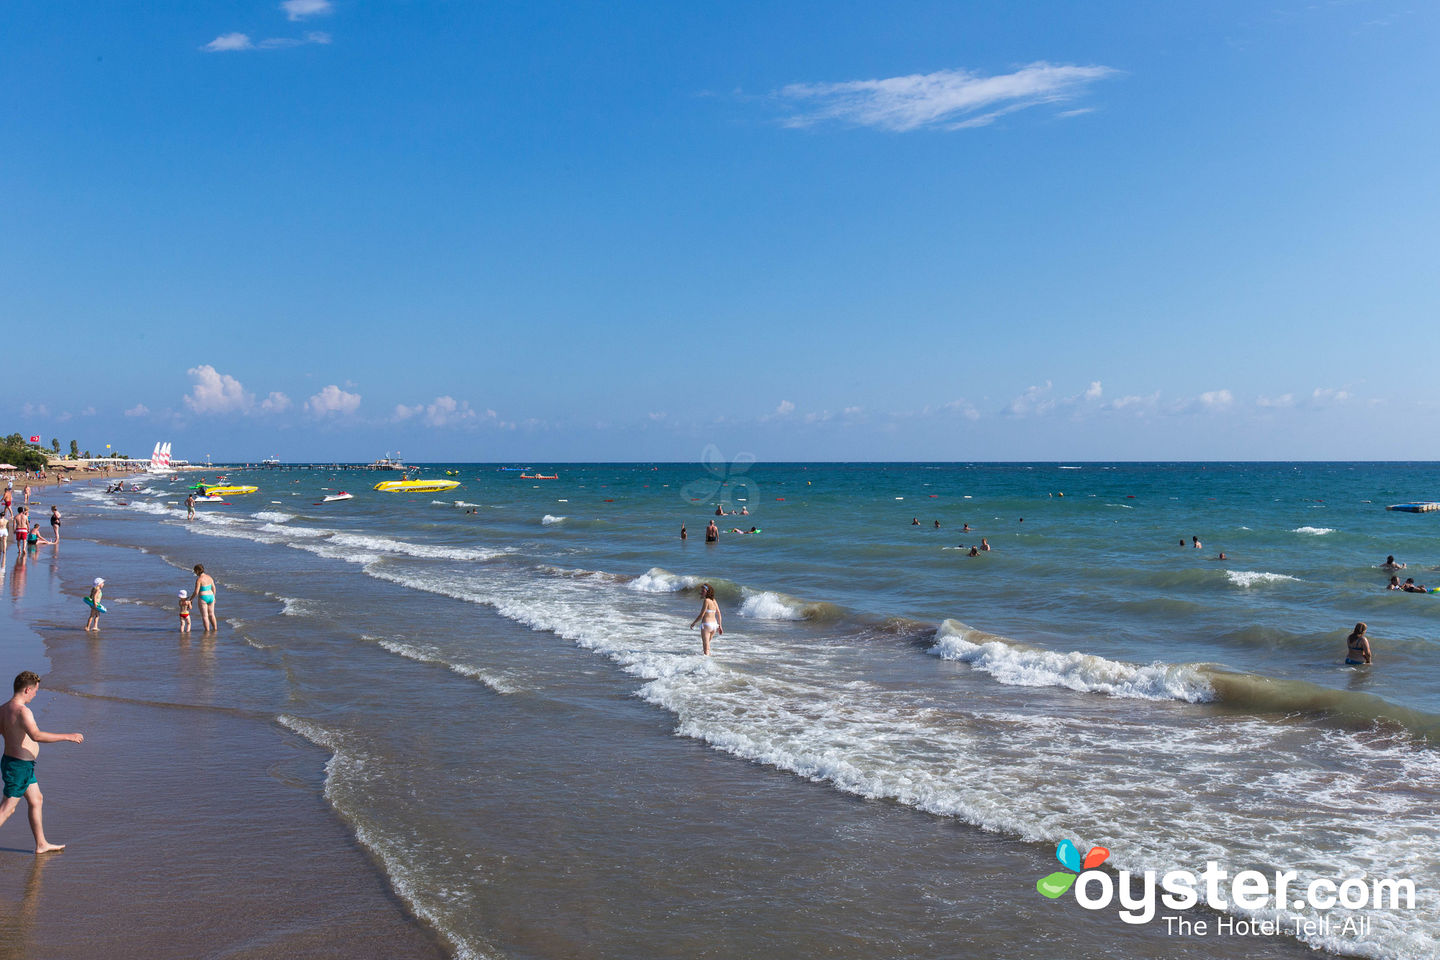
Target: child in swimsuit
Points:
(184, 612)
(96, 592)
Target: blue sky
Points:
(807, 231)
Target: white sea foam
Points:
(768, 605)
(1315, 531)
(1253, 578)
(406, 548)
(500, 683)
(657, 580)
(273, 516)
(548, 519)
(346, 773)
(1021, 666)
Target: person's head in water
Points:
(1390, 560)
(1394, 580)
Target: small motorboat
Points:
(332, 497)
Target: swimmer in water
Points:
(937, 524)
(984, 544)
(712, 533)
(915, 522)
(974, 552)
(1410, 586)
(1390, 564)
(1357, 647)
(710, 612)
(1195, 542)
(1394, 582)
(1222, 556)
(683, 534)
(965, 528)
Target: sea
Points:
(892, 735)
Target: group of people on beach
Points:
(16, 522)
(204, 592)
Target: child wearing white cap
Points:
(93, 601)
(184, 611)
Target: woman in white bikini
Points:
(710, 614)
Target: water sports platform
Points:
(1427, 506)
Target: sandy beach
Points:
(194, 830)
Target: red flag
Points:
(35, 439)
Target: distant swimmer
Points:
(1390, 564)
(22, 746)
(974, 552)
(710, 613)
(1222, 556)
(1183, 543)
(1195, 542)
(1395, 583)
(1410, 586)
(719, 511)
(744, 511)
(937, 524)
(965, 528)
(984, 544)
(915, 522)
(1357, 647)
(683, 534)
(712, 533)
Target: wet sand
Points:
(193, 831)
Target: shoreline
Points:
(186, 819)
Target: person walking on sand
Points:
(1357, 647)
(22, 747)
(205, 593)
(710, 612)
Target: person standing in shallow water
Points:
(1357, 647)
(205, 592)
(22, 747)
(710, 612)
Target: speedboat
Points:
(416, 486)
(332, 497)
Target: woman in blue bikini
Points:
(1357, 647)
(205, 593)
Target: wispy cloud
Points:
(947, 99)
(442, 412)
(139, 410)
(303, 9)
(1216, 399)
(332, 401)
(231, 42)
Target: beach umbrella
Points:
(8, 466)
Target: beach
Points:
(195, 827)
(490, 734)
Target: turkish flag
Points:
(35, 439)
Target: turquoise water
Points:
(1088, 677)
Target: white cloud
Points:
(1134, 402)
(277, 402)
(1093, 391)
(1326, 395)
(1035, 400)
(332, 400)
(963, 407)
(658, 416)
(139, 410)
(229, 41)
(1284, 400)
(442, 412)
(300, 9)
(948, 99)
(34, 410)
(278, 43)
(785, 408)
(853, 411)
(88, 412)
(215, 392)
(1216, 399)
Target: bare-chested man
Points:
(22, 745)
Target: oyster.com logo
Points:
(1059, 882)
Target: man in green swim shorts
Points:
(22, 746)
